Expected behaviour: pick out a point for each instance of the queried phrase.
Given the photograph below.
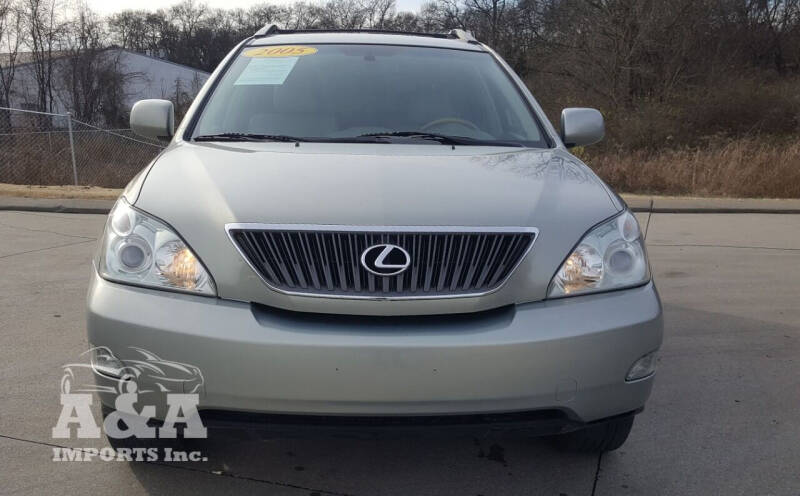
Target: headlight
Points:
(139, 249)
(610, 256)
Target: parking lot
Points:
(723, 417)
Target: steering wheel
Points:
(450, 120)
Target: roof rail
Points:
(461, 35)
(267, 30)
(458, 34)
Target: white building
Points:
(144, 77)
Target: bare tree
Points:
(80, 69)
(379, 13)
(188, 15)
(303, 15)
(343, 14)
(44, 27)
(129, 30)
(251, 20)
(10, 40)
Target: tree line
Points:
(663, 71)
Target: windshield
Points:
(376, 93)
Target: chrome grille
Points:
(326, 260)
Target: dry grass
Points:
(743, 168)
(43, 157)
(35, 191)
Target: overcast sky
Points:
(110, 6)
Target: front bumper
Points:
(569, 355)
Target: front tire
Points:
(596, 438)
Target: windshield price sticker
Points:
(266, 71)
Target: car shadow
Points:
(388, 466)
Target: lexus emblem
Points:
(385, 260)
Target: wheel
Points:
(597, 438)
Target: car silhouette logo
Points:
(147, 371)
(385, 260)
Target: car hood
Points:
(199, 188)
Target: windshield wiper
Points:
(247, 137)
(364, 138)
(440, 138)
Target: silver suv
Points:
(377, 231)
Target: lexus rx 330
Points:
(374, 230)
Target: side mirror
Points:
(153, 119)
(581, 126)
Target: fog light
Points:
(104, 362)
(642, 367)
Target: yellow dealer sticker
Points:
(280, 51)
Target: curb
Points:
(637, 203)
(678, 205)
(56, 205)
(721, 211)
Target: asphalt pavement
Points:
(723, 417)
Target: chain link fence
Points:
(55, 149)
